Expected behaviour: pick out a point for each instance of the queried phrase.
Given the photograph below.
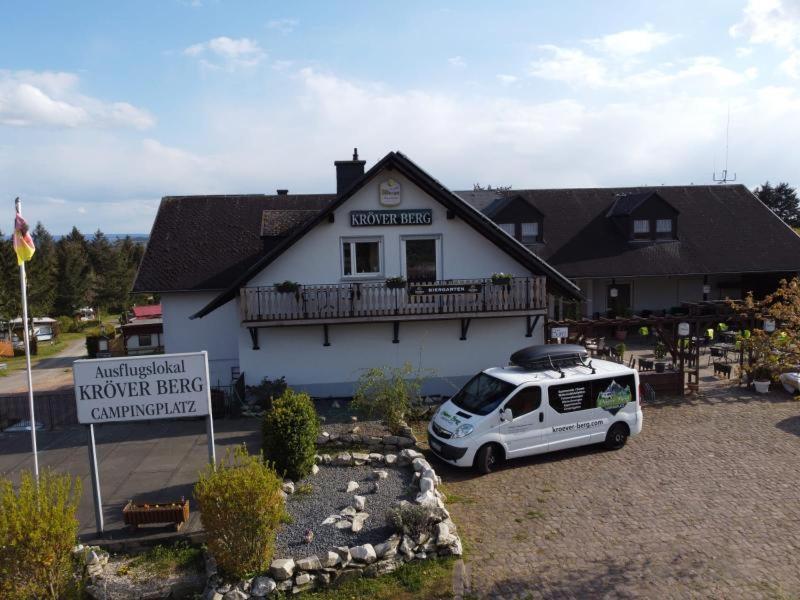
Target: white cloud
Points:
(29, 98)
(576, 68)
(507, 79)
(457, 62)
(225, 52)
(631, 42)
(283, 25)
(743, 51)
(570, 65)
(775, 22)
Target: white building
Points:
(216, 260)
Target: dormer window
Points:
(644, 217)
(509, 228)
(641, 229)
(664, 228)
(529, 233)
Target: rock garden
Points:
(326, 502)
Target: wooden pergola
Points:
(700, 317)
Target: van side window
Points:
(526, 400)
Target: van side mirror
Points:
(506, 415)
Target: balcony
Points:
(373, 301)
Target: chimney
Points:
(282, 192)
(348, 172)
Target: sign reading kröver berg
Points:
(138, 388)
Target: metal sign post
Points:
(141, 388)
(98, 501)
(212, 452)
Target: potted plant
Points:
(502, 278)
(761, 377)
(287, 287)
(620, 349)
(395, 283)
(660, 352)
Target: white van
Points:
(551, 397)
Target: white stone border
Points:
(343, 563)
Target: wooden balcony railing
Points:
(375, 301)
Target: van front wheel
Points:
(486, 459)
(616, 436)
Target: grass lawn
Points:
(46, 350)
(163, 561)
(424, 580)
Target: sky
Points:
(107, 107)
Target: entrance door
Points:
(618, 298)
(421, 258)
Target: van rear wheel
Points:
(486, 459)
(616, 436)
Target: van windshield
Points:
(482, 394)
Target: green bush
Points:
(290, 434)
(241, 508)
(38, 530)
(410, 519)
(268, 390)
(388, 393)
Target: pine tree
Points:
(782, 200)
(73, 290)
(10, 304)
(42, 271)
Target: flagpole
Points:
(24, 291)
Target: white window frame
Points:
(660, 222)
(505, 227)
(356, 240)
(528, 237)
(437, 238)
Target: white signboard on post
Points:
(683, 329)
(559, 332)
(139, 388)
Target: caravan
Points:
(551, 397)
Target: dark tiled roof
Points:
(721, 229)
(205, 242)
(276, 222)
(625, 204)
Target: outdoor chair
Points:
(715, 352)
(645, 364)
(722, 370)
(632, 362)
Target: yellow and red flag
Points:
(23, 242)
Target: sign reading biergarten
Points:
(137, 388)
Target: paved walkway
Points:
(51, 373)
(152, 461)
(704, 504)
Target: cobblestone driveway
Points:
(705, 503)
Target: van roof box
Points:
(549, 356)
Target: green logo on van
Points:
(451, 418)
(614, 397)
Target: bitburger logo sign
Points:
(164, 386)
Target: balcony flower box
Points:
(395, 283)
(176, 513)
(502, 279)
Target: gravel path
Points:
(329, 497)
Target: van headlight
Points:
(463, 430)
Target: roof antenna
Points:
(724, 176)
